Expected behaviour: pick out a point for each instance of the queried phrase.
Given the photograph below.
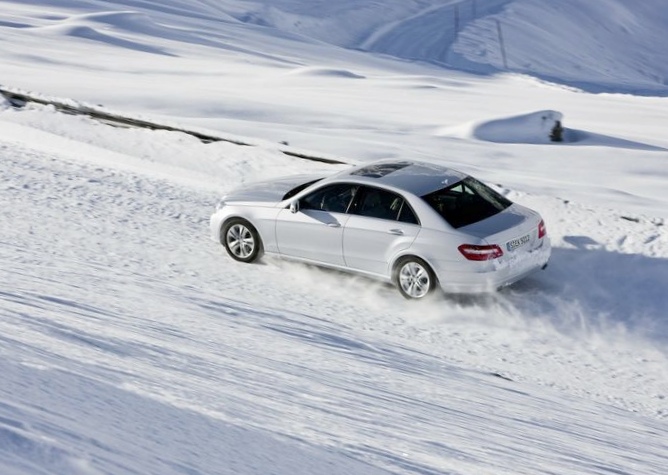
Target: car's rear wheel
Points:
(414, 278)
(241, 240)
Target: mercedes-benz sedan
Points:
(418, 225)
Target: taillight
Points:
(480, 253)
(542, 230)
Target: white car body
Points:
(372, 245)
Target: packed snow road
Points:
(109, 279)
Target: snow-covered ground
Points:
(130, 343)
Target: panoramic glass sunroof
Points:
(380, 170)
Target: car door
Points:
(315, 231)
(381, 224)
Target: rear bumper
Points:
(490, 276)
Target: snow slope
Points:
(611, 45)
(131, 344)
(114, 298)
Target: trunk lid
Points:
(514, 230)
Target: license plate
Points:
(515, 243)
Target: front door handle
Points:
(334, 225)
(397, 232)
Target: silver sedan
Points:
(418, 225)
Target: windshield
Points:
(466, 202)
(299, 188)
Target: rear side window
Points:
(466, 202)
(407, 215)
(383, 204)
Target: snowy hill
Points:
(614, 45)
(132, 345)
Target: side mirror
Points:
(294, 206)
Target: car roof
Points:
(418, 178)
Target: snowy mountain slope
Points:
(115, 284)
(131, 344)
(611, 45)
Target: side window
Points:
(333, 198)
(383, 204)
(406, 215)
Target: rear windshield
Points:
(466, 202)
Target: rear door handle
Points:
(398, 232)
(334, 225)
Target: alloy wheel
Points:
(240, 241)
(414, 280)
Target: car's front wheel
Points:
(414, 278)
(241, 240)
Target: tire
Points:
(241, 240)
(414, 278)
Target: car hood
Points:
(270, 190)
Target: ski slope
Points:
(131, 344)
